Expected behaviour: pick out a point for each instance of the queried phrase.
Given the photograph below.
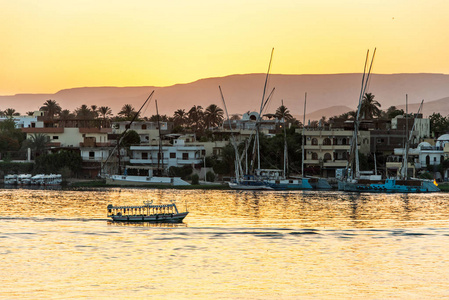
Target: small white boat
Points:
(10, 179)
(147, 213)
(24, 179)
(46, 179)
(145, 180)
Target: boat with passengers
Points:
(148, 212)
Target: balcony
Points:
(335, 164)
(53, 144)
(43, 130)
(165, 161)
(90, 145)
(95, 130)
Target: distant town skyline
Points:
(51, 45)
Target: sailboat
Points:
(278, 179)
(147, 176)
(257, 178)
(315, 182)
(354, 182)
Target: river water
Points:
(233, 245)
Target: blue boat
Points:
(389, 186)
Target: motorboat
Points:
(148, 212)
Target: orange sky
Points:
(49, 45)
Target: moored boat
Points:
(147, 213)
(389, 186)
(10, 179)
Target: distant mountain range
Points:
(327, 95)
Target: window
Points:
(314, 141)
(185, 156)
(55, 137)
(314, 156)
(172, 155)
(91, 155)
(327, 156)
(144, 126)
(203, 152)
(326, 141)
(144, 155)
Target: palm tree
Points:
(51, 107)
(213, 115)
(94, 110)
(283, 112)
(37, 142)
(370, 107)
(11, 112)
(105, 112)
(83, 112)
(195, 117)
(127, 111)
(65, 114)
(180, 117)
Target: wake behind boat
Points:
(147, 213)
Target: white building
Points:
(147, 131)
(179, 154)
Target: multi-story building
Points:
(148, 131)
(425, 155)
(167, 155)
(89, 140)
(327, 149)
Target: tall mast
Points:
(119, 140)
(285, 145)
(237, 164)
(262, 105)
(159, 155)
(406, 139)
(354, 154)
(303, 138)
(404, 169)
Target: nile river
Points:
(232, 245)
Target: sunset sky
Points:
(49, 45)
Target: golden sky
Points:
(48, 45)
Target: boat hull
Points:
(389, 186)
(145, 180)
(250, 187)
(163, 218)
(289, 184)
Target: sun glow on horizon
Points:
(51, 45)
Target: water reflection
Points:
(232, 245)
(146, 224)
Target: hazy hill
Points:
(244, 92)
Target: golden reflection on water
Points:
(244, 245)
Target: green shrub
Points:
(210, 176)
(195, 179)
(426, 175)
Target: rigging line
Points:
(363, 83)
(126, 129)
(266, 80)
(369, 72)
(268, 101)
(353, 146)
(238, 167)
